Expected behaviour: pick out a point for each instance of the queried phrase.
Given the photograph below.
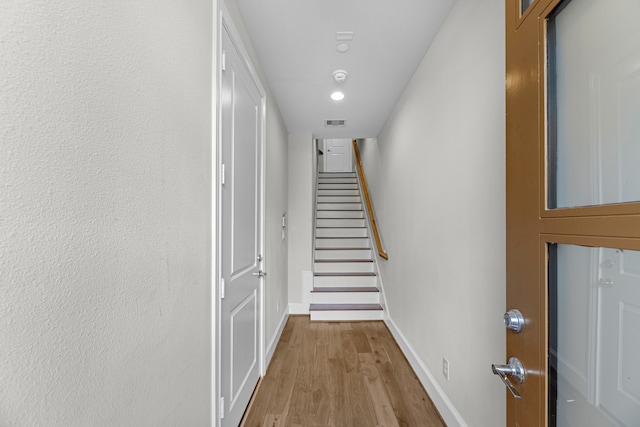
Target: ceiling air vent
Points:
(334, 122)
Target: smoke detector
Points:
(340, 76)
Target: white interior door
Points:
(337, 155)
(618, 391)
(241, 219)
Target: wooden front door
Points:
(573, 217)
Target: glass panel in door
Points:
(593, 88)
(594, 337)
(524, 5)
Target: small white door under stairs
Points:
(345, 282)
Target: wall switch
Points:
(445, 368)
(277, 306)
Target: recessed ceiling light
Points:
(342, 47)
(337, 96)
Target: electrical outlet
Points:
(445, 368)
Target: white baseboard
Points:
(271, 348)
(448, 412)
(298, 308)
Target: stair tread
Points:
(343, 249)
(342, 273)
(340, 217)
(345, 260)
(338, 226)
(346, 289)
(341, 237)
(343, 307)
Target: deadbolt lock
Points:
(514, 320)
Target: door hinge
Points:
(223, 60)
(222, 288)
(222, 407)
(222, 174)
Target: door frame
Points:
(223, 21)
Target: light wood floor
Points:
(342, 375)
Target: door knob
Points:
(511, 371)
(260, 273)
(514, 320)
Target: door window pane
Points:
(594, 103)
(594, 337)
(525, 5)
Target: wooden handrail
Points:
(365, 191)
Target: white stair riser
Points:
(338, 193)
(344, 254)
(343, 267)
(339, 199)
(344, 281)
(338, 181)
(345, 297)
(346, 315)
(340, 206)
(343, 243)
(337, 186)
(341, 232)
(339, 214)
(340, 222)
(336, 175)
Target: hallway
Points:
(339, 374)
(111, 280)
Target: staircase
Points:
(345, 274)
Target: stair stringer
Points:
(374, 253)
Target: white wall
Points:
(277, 178)
(276, 188)
(301, 159)
(441, 176)
(371, 163)
(104, 213)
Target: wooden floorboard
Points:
(339, 374)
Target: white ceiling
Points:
(296, 43)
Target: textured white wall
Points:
(442, 177)
(277, 290)
(301, 158)
(105, 200)
(276, 187)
